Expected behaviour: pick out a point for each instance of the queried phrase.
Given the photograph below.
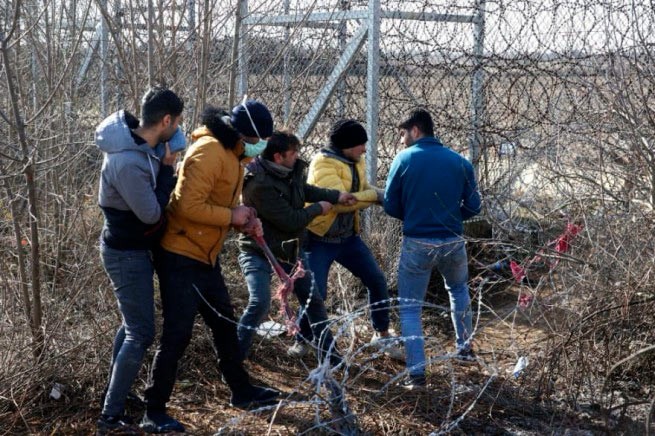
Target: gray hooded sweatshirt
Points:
(134, 187)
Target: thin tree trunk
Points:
(29, 173)
(22, 271)
(204, 63)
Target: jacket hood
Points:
(200, 132)
(203, 131)
(336, 154)
(259, 165)
(113, 135)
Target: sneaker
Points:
(254, 397)
(123, 425)
(414, 382)
(466, 356)
(132, 400)
(299, 349)
(388, 345)
(160, 422)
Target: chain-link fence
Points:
(557, 97)
(552, 73)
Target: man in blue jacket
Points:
(432, 189)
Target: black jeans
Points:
(188, 287)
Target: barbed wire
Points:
(567, 136)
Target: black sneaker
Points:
(135, 401)
(414, 382)
(254, 397)
(123, 425)
(160, 422)
(132, 400)
(466, 356)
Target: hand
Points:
(347, 199)
(326, 207)
(241, 215)
(252, 228)
(169, 158)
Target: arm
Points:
(166, 178)
(324, 175)
(274, 209)
(165, 184)
(471, 203)
(393, 192)
(315, 193)
(195, 185)
(134, 184)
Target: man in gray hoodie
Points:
(135, 184)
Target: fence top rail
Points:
(290, 19)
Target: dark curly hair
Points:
(212, 118)
(280, 141)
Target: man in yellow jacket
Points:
(202, 208)
(335, 235)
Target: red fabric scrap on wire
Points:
(282, 292)
(285, 288)
(561, 244)
(517, 271)
(525, 300)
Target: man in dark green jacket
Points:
(275, 185)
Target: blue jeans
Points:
(356, 257)
(257, 271)
(130, 272)
(417, 259)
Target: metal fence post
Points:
(151, 40)
(287, 74)
(372, 98)
(477, 86)
(344, 5)
(191, 21)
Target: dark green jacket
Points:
(280, 203)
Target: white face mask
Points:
(253, 150)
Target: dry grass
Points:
(584, 154)
(488, 398)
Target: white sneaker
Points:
(389, 346)
(299, 349)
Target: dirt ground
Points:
(479, 398)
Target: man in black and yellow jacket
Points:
(335, 235)
(202, 209)
(275, 187)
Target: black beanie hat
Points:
(261, 117)
(347, 134)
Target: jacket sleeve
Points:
(195, 184)
(274, 209)
(165, 184)
(393, 193)
(134, 184)
(471, 203)
(325, 175)
(315, 193)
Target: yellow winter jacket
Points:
(328, 170)
(208, 187)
